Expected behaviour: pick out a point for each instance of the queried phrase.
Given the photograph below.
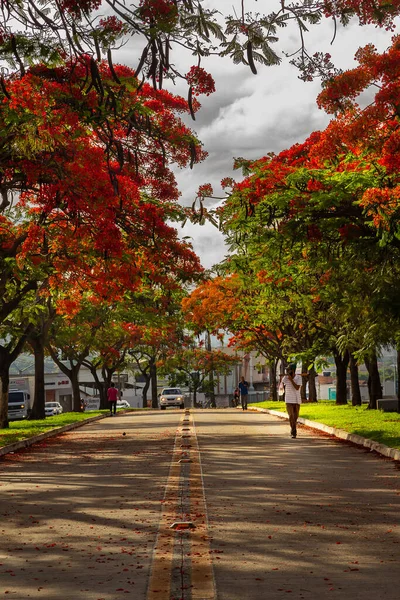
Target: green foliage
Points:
(308, 254)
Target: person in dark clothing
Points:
(244, 391)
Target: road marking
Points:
(184, 503)
(160, 576)
(202, 574)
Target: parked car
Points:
(171, 397)
(52, 408)
(123, 404)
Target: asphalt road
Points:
(81, 514)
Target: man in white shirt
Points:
(292, 383)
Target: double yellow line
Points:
(184, 513)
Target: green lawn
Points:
(20, 430)
(373, 424)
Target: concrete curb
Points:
(47, 434)
(339, 433)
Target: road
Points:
(254, 513)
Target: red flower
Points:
(201, 81)
(77, 7)
(205, 190)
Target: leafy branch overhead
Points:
(51, 29)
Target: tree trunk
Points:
(374, 381)
(72, 373)
(355, 383)
(106, 384)
(397, 379)
(37, 340)
(76, 392)
(99, 385)
(312, 388)
(145, 372)
(273, 389)
(145, 389)
(153, 375)
(4, 384)
(342, 363)
(7, 357)
(303, 389)
(305, 379)
(195, 384)
(37, 345)
(100, 388)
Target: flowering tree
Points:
(341, 184)
(258, 316)
(75, 214)
(315, 230)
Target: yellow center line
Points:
(201, 570)
(160, 575)
(203, 585)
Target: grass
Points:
(21, 430)
(372, 424)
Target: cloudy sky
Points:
(250, 115)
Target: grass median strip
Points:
(375, 425)
(22, 430)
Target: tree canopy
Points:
(313, 230)
(88, 197)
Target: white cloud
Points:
(208, 243)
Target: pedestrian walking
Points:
(112, 397)
(292, 383)
(244, 391)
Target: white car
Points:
(171, 397)
(52, 408)
(123, 404)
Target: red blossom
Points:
(160, 11)
(205, 190)
(111, 24)
(77, 7)
(314, 233)
(201, 81)
(379, 12)
(314, 185)
(227, 182)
